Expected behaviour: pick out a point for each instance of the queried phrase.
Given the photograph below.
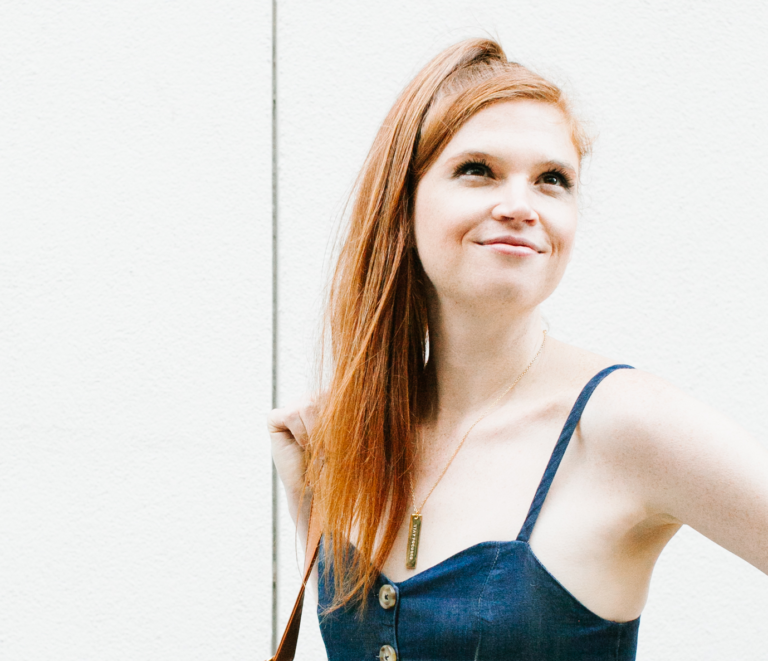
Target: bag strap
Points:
(286, 650)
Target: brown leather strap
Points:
(286, 650)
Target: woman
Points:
(451, 419)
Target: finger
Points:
(308, 413)
(276, 421)
(295, 423)
(279, 425)
(288, 425)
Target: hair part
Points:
(361, 453)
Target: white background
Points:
(136, 284)
(135, 332)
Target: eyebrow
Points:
(546, 163)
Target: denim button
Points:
(387, 653)
(387, 596)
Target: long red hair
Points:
(362, 448)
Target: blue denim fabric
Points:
(493, 600)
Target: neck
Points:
(473, 357)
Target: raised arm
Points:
(690, 463)
(289, 430)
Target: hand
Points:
(290, 429)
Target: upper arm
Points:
(686, 462)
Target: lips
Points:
(522, 245)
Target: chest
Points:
(583, 532)
(491, 601)
(487, 490)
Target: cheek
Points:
(562, 230)
(433, 237)
(435, 228)
(442, 219)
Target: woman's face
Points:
(495, 214)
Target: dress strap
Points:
(560, 447)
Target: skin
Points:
(645, 458)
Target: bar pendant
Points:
(413, 542)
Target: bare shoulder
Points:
(569, 367)
(686, 461)
(637, 414)
(632, 407)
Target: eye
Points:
(473, 168)
(556, 178)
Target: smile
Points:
(510, 245)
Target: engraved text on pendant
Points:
(413, 541)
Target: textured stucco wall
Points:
(670, 269)
(135, 332)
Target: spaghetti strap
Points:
(560, 447)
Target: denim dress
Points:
(493, 600)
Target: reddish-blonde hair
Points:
(362, 449)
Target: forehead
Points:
(523, 128)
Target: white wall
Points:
(670, 271)
(135, 336)
(136, 284)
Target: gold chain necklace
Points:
(414, 531)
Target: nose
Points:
(514, 204)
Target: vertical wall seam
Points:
(274, 321)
